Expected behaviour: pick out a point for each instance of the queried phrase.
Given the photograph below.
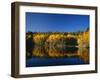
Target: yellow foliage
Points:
(83, 39)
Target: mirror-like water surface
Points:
(56, 55)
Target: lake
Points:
(56, 56)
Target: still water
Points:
(52, 56)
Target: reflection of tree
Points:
(39, 51)
(84, 54)
(62, 52)
(52, 51)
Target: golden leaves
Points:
(83, 39)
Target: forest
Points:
(55, 44)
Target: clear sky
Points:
(47, 22)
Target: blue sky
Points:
(47, 22)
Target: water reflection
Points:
(83, 53)
(59, 52)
